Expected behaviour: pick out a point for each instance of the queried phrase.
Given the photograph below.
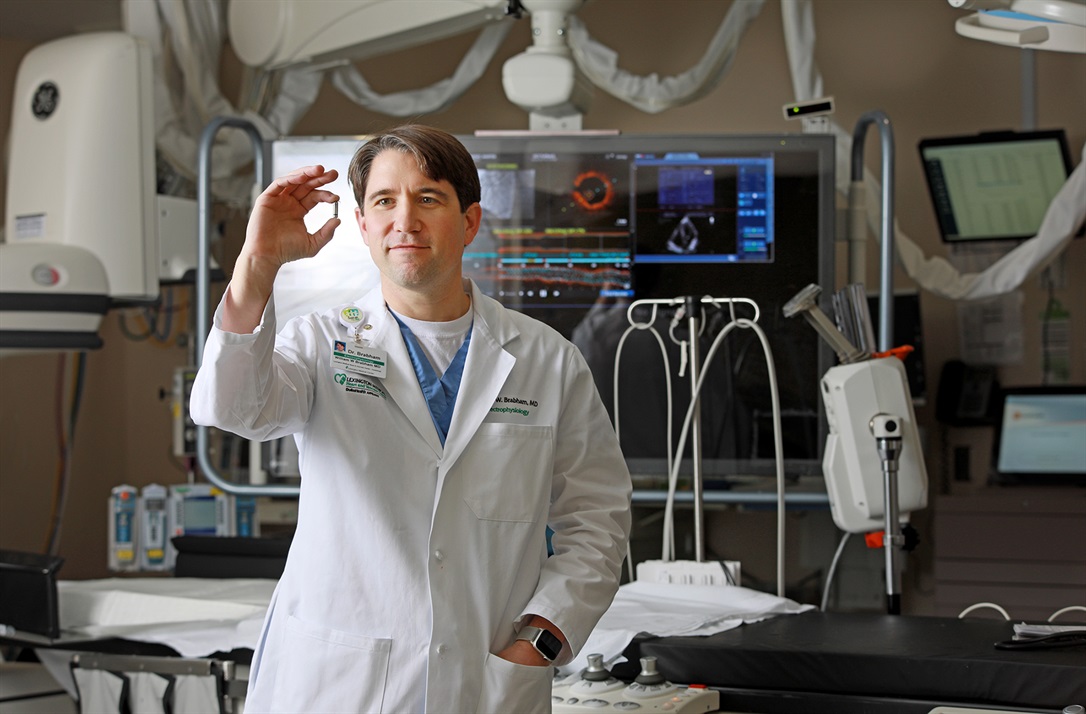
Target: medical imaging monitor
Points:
(994, 186)
(575, 227)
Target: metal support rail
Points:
(886, 275)
(203, 288)
(892, 538)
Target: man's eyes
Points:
(427, 200)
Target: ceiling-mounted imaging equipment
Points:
(80, 221)
(85, 228)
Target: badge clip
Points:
(351, 318)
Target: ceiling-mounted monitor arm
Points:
(886, 275)
(203, 287)
(544, 80)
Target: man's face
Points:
(414, 226)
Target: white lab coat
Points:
(411, 563)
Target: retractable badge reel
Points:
(358, 355)
(351, 318)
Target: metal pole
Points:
(886, 280)
(693, 311)
(203, 288)
(892, 540)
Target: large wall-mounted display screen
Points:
(576, 227)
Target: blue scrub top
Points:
(440, 393)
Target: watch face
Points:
(548, 645)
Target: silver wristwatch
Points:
(545, 642)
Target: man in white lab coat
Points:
(439, 435)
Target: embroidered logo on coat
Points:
(358, 385)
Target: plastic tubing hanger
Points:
(691, 421)
(680, 302)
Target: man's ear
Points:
(473, 218)
(360, 218)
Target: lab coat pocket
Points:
(347, 671)
(510, 687)
(507, 470)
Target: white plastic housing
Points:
(1057, 25)
(82, 169)
(852, 395)
(547, 83)
(177, 229)
(279, 33)
(68, 280)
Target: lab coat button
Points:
(439, 556)
(442, 649)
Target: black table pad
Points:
(899, 657)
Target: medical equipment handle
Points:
(805, 302)
(203, 287)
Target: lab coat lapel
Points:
(487, 367)
(400, 380)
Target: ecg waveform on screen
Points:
(599, 277)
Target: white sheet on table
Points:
(665, 609)
(195, 616)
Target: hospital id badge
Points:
(369, 361)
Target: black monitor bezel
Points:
(822, 147)
(986, 138)
(718, 472)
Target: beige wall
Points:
(900, 56)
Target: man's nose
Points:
(407, 219)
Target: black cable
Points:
(53, 545)
(1067, 638)
(1046, 360)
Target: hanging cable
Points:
(673, 471)
(777, 436)
(65, 439)
(833, 569)
(634, 325)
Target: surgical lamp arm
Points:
(203, 288)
